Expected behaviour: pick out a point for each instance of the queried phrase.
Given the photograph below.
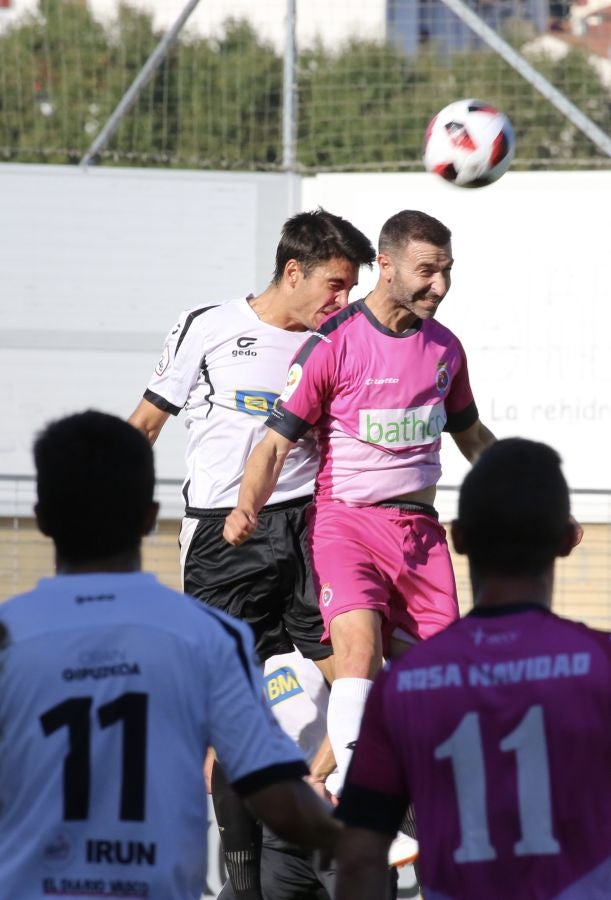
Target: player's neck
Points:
(388, 313)
(120, 562)
(272, 307)
(502, 590)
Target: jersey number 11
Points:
(75, 715)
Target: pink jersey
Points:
(499, 730)
(379, 402)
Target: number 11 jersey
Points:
(499, 730)
(113, 687)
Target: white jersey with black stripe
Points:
(226, 368)
(113, 686)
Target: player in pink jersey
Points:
(498, 728)
(378, 382)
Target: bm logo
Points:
(281, 684)
(255, 403)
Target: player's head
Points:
(415, 259)
(95, 482)
(412, 225)
(317, 264)
(514, 511)
(315, 237)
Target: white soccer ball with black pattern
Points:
(469, 143)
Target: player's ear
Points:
(458, 537)
(150, 517)
(292, 270)
(385, 264)
(571, 537)
(40, 520)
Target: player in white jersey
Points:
(298, 696)
(113, 688)
(226, 366)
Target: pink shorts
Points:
(388, 559)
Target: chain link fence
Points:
(367, 77)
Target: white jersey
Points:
(113, 686)
(227, 368)
(298, 696)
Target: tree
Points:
(216, 103)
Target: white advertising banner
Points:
(530, 299)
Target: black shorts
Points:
(288, 873)
(266, 582)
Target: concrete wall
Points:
(94, 267)
(530, 299)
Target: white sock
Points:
(346, 705)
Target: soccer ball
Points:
(469, 143)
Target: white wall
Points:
(95, 266)
(530, 299)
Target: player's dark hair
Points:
(514, 508)
(314, 237)
(95, 480)
(412, 225)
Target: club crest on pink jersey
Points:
(326, 594)
(442, 377)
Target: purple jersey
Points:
(499, 730)
(379, 401)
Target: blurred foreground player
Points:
(497, 728)
(113, 686)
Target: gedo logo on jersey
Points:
(245, 347)
(402, 427)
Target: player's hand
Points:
(318, 786)
(239, 525)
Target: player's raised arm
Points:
(473, 440)
(148, 419)
(261, 473)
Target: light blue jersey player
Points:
(113, 686)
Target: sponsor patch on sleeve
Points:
(292, 380)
